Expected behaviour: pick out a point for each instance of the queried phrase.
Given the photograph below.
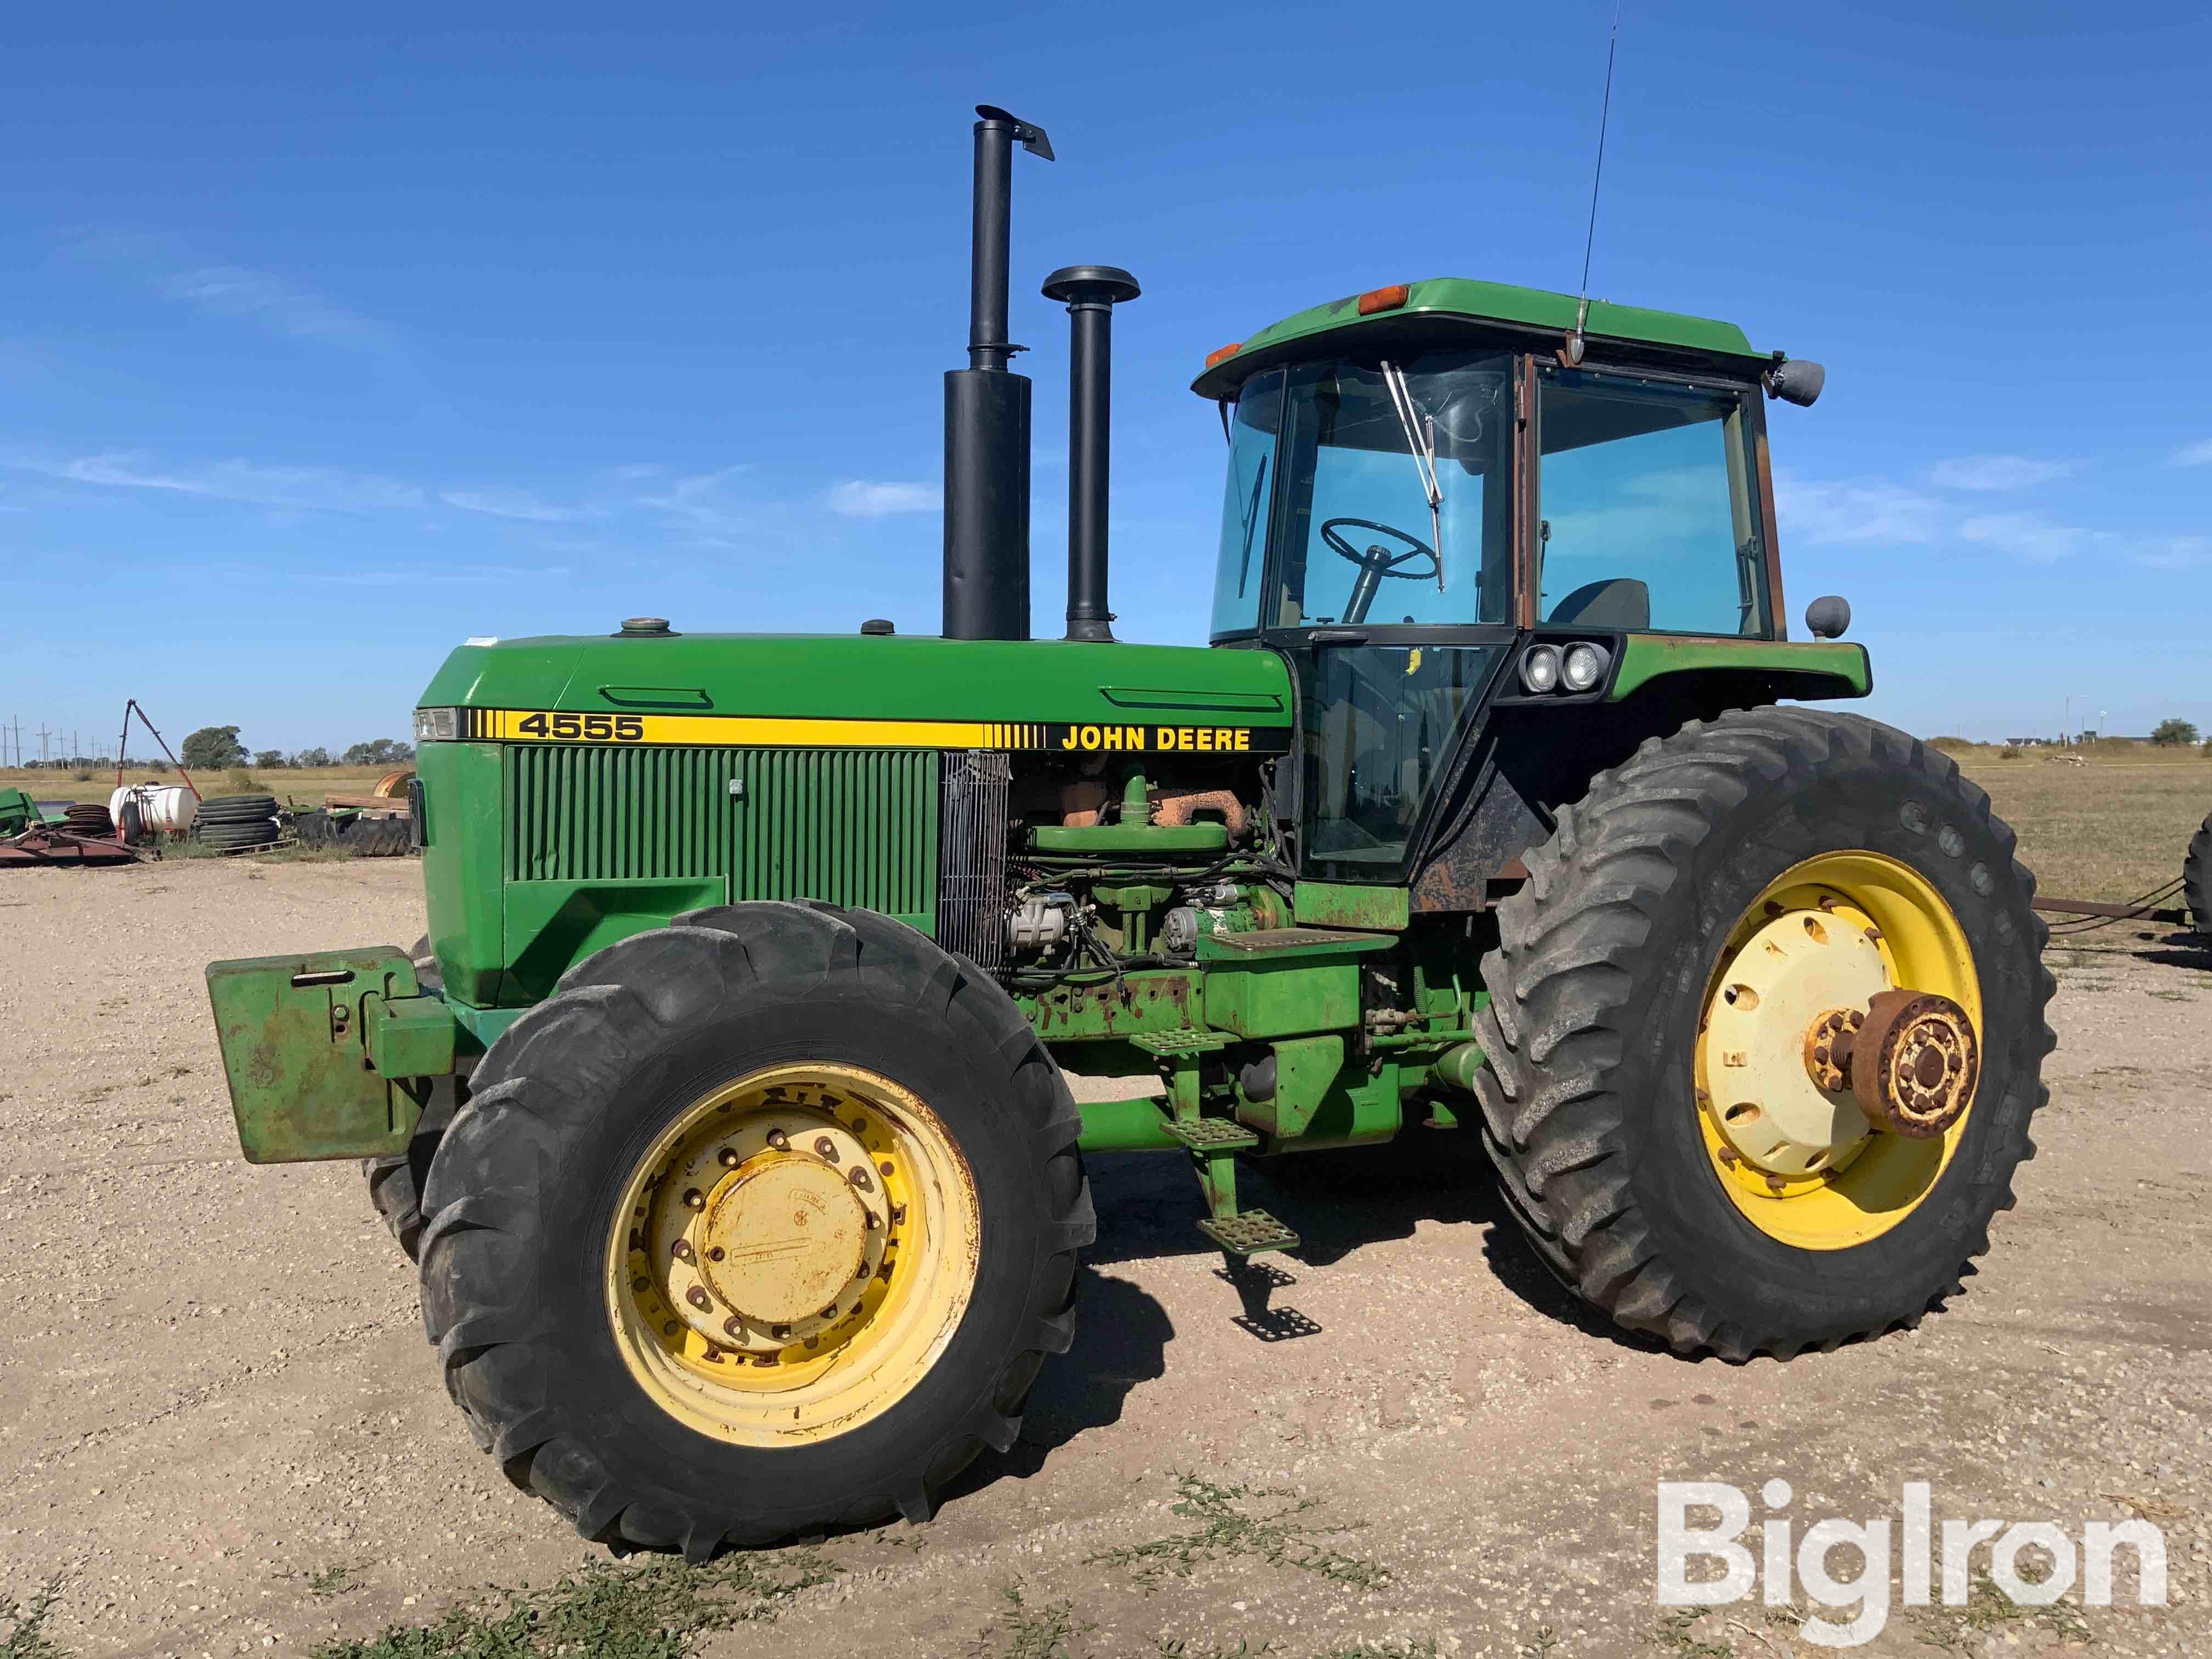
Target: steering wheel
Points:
(1376, 562)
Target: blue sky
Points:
(323, 349)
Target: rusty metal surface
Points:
(1914, 1063)
(52, 848)
(1176, 807)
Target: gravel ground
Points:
(220, 1431)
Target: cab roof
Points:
(1382, 315)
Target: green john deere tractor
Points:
(724, 1105)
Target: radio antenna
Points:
(1589, 240)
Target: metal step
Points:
(1211, 1134)
(1249, 1233)
(1166, 1045)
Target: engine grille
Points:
(851, 826)
(971, 904)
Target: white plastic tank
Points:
(168, 806)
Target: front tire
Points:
(564, 1273)
(1662, 898)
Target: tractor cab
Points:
(1428, 484)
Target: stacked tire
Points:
(234, 824)
(381, 837)
(91, 820)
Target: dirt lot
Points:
(220, 1431)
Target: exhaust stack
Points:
(986, 415)
(1090, 292)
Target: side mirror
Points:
(1828, 615)
(1798, 382)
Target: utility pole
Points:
(42, 735)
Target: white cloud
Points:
(320, 489)
(2197, 454)
(1823, 514)
(509, 504)
(2176, 552)
(696, 504)
(265, 296)
(2029, 536)
(1997, 472)
(857, 500)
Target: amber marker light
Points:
(1225, 354)
(1385, 299)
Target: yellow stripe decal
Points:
(724, 731)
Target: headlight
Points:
(1540, 668)
(437, 725)
(1583, 666)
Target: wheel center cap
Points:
(781, 1238)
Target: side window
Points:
(1650, 508)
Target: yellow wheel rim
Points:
(792, 1253)
(1801, 1163)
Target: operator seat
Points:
(1621, 602)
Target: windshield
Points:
(1370, 490)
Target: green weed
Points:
(651, 1609)
(1966, 1628)
(27, 1624)
(1421, 1648)
(1674, 1635)
(1022, 1632)
(331, 1581)
(1278, 1537)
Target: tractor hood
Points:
(838, 690)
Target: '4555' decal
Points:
(583, 728)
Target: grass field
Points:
(2115, 826)
(2110, 828)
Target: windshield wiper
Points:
(1423, 448)
(1251, 523)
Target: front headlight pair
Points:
(1579, 667)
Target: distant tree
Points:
(2174, 733)
(269, 758)
(213, 747)
(384, 751)
(314, 758)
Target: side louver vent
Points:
(971, 904)
(851, 826)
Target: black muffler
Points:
(986, 415)
(1090, 292)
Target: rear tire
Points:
(2197, 881)
(532, 1187)
(1601, 985)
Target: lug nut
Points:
(734, 1326)
(681, 1250)
(696, 1297)
(716, 1254)
(728, 1157)
(777, 1138)
(859, 1177)
(693, 1199)
(825, 1149)
(779, 1330)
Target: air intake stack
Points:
(987, 416)
(1090, 292)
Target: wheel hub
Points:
(770, 1236)
(1799, 976)
(1914, 1064)
(781, 1238)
